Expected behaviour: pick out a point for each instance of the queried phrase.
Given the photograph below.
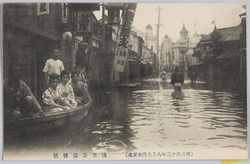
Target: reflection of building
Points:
(184, 48)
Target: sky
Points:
(173, 15)
(195, 16)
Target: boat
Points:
(49, 122)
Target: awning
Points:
(32, 29)
(85, 6)
(227, 55)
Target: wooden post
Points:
(90, 55)
(103, 28)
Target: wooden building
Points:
(220, 57)
(32, 30)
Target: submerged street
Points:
(148, 119)
(124, 81)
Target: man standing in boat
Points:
(18, 99)
(53, 65)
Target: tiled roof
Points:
(227, 34)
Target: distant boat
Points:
(51, 121)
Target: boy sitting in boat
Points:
(18, 99)
(66, 91)
(81, 92)
(80, 69)
(51, 97)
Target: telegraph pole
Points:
(158, 31)
(103, 27)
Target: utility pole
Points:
(103, 28)
(158, 31)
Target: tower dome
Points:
(149, 27)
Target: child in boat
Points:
(66, 91)
(81, 92)
(51, 97)
(80, 69)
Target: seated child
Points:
(81, 92)
(66, 91)
(51, 97)
(80, 69)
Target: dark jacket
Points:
(177, 78)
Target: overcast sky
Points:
(173, 15)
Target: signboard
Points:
(42, 8)
(120, 59)
(122, 47)
(64, 13)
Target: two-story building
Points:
(32, 30)
(220, 55)
(184, 48)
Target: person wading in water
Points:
(177, 80)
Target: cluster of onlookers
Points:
(65, 90)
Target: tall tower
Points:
(149, 34)
(149, 30)
(183, 33)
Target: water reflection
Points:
(149, 119)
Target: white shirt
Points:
(53, 66)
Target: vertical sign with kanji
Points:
(64, 13)
(122, 47)
(120, 59)
(42, 8)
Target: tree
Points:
(215, 49)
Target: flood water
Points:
(210, 124)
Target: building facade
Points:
(166, 61)
(148, 36)
(184, 48)
(221, 57)
(32, 30)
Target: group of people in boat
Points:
(65, 90)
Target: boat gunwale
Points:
(49, 116)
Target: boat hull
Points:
(50, 122)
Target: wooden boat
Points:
(50, 121)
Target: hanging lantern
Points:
(66, 36)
